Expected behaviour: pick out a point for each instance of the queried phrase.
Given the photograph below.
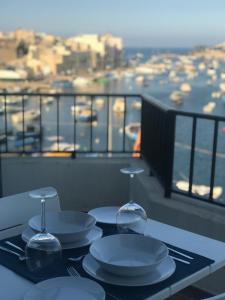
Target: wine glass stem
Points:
(43, 224)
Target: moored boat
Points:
(29, 115)
(119, 105)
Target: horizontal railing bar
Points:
(72, 94)
(69, 152)
(199, 115)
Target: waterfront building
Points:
(47, 54)
(8, 50)
(78, 62)
(27, 36)
(113, 51)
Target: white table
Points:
(13, 286)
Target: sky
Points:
(141, 23)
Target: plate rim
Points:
(70, 245)
(38, 216)
(128, 284)
(98, 208)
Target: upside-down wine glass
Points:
(43, 249)
(131, 217)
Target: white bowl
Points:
(128, 254)
(67, 226)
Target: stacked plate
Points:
(105, 214)
(129, 260)
(66, 288)
(73, 229)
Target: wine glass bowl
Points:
(131, 217)
(43, 249)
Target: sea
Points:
(95, 138)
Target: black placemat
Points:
(123, 293)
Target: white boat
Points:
(176, 97)
(80, 82)
(139, 79)
(54, 138)
(132, 130)
(172, 74)
(12, 100)
(208, 108)
(128, 75)
(79, 107)
(222, 75)
(222, 87)
(185, 87)
(211, 72)
(201, 67)
(48, 100)
(201, 190)
(99, 102)
(216, 95)
(119, 105)
(13, 109)
(64, 147)
(29, 115)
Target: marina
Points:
(179, 80)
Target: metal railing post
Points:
(169, 152)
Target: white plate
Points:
(163, 271)
(105, 214)
(67, 226)
(93, 235)
(66, 288)
(128, 254)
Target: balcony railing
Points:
(111, 124)
(68, 123)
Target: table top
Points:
(201, 245)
